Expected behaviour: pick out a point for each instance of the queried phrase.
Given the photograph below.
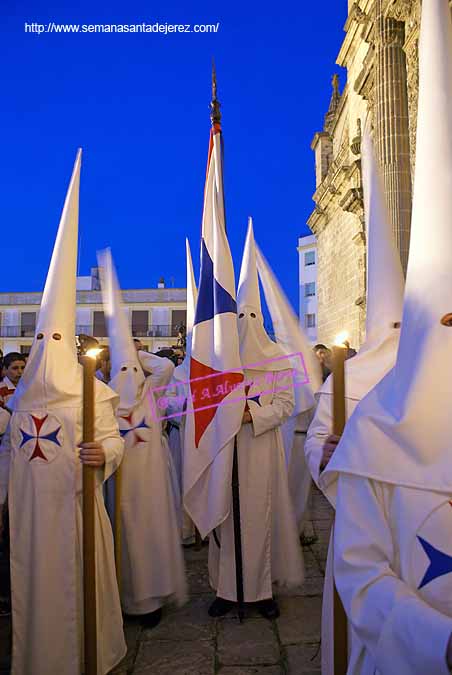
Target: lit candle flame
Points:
(92, 353)
(340, 339)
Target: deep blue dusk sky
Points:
(138, 106)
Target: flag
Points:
(216, 401)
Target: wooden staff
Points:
(340, 618)
(117, 533)
(89, 547)
(237, 533)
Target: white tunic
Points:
(270, 548)
(321, 427)
(176, 398)
(39, 451)
(294, 436)
(393, 569)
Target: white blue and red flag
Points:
(216, 402)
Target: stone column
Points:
(392, 124)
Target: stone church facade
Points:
(380, 54)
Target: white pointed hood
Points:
(127, 377)
(290, 336)
(385, 285)
(401, 432)
(182, 372)
(256, 348)
(52, 377)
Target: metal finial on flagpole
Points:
(215, 114)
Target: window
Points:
(140, 323)
(309, 258)
(309, 320)
(27, 324)
(25, 349)
(178, 317)
(309, 289)
(99, 328)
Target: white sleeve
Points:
(273, 414)
(320, 428)
(5, 461)
(107, 433)
(403, 634)
(160, 368)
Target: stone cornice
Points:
(353, 201)
(335, 176)
(356, 24)
(317, 136)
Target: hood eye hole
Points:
(241, 315)
(40, 336)
(124, 368)
(397, 324)
(447, 320)
(253, 315)
(135, 369)
(56, 336)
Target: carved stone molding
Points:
(360, 238)
(399, 10)
(357, 14)
(353, 201)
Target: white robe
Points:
(271, 551)
(45, 508)
(294, 435)
(321, 427)
(385, 539)
(152, 567)
(176, 396)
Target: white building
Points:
(154, 314)
(307, 255)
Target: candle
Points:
(88, 362)
(339, 354)
(340, 618)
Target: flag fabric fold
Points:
(216, 400)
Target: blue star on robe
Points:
(440, 563)
(212, 297)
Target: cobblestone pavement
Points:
(189, 642)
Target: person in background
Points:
(350, 351)
(324, 356)
(103, 360)
(138, 344)
(13, 368)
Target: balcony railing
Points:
(17, 331)
(153, 330)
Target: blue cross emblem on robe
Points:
(440, 563)
(136, 438)
(51, 436)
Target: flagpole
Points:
(215, 117)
